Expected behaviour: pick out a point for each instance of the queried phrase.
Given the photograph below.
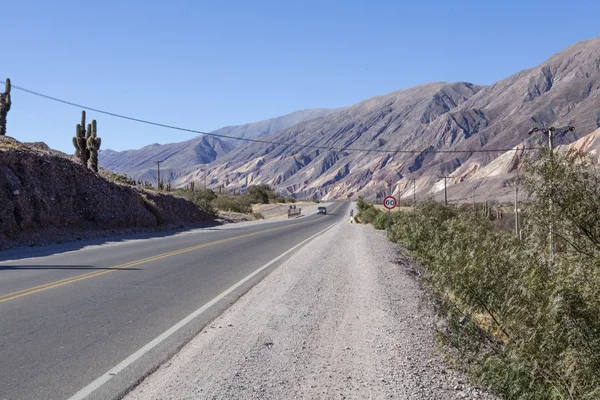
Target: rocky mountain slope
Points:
(255, 130)
(46, 196)
(421, 124)
(176, 158)
(494, 177)
(179, 158)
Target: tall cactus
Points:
(79, 141)
(93, 145)
(4, 107)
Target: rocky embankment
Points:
(48, 197)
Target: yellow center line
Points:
(62, 282)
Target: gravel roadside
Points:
(338, 320)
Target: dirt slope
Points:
(46, 196)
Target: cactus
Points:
(192, 185)
(4, 107)
(93, 145)
(486, 211)
(79, 141)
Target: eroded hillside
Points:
(46, 196)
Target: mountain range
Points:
(381, 145)
(177, 158)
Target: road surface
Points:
(92, 322)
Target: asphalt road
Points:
(68, 319)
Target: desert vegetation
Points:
(4, 107)
(213, 202)
(87, 143)
(522, 315)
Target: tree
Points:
(260, 193)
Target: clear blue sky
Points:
(207, 64)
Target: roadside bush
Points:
(526, 327)
(380, 221)
(203, 198)
(260, 193)
(241, 204)
(367, 213)
(277, 199)
(368, 216)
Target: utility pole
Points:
(516, 211)
(414, 190)
(550, 132)
(473, 198)
(158, 175)
(445, 178)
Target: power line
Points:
(308, 146)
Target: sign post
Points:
(389, 202)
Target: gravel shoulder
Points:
(339, 319)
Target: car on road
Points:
(322, 210)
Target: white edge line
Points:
(86, 391)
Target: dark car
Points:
(322, 210)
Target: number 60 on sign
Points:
(389, 202)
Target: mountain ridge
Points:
(432, 121)
(178, 157)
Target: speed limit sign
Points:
(389, 202)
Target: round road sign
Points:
(389, 202)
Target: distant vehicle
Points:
(322, 210)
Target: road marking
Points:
(55, 284)
(86, 391)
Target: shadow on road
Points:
(105, 237)
(73, 267)
(13, 254)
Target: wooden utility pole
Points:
(551, 131)
(158, 174)
(414, 190)
(445, 178)
(516, 211)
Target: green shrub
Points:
(525, 327)
(260, 193)
(203, 198)
(380, 221)
(241, 204)
(368, 216)
(367, 213)
(258, 216)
